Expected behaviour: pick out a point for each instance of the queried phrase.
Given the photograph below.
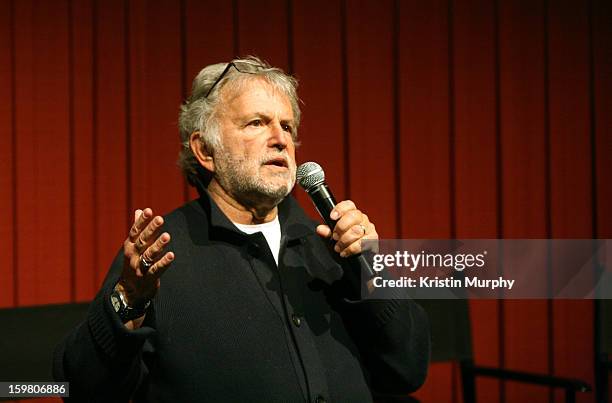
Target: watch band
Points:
(127, 313)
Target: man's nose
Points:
(278, 136)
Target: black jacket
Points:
(228, 325)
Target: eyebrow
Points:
(265, 116)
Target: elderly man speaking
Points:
(238, 296)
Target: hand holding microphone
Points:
(346, 224)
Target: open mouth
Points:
(279, 162)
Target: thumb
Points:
(324, 231)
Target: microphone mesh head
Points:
(310, 174)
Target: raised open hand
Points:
(144, 258)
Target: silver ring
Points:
(144, 263)
(363, 228)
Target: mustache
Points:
(281, 159)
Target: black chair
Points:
(452, 341)
(29, 336)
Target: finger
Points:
(342, 208)
(137, 214)
(371, 238)
(147, 236)
(140, 223)
(323, 231)
(352, 249)
(346, 222)
(163, 264)
(154, 251)
(355, 233)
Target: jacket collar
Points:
(295, 224)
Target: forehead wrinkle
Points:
(264, 109)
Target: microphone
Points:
(311, 178)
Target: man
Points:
(253, 305)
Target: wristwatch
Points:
(126, 312)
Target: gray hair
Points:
(198, 112)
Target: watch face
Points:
(116, 303)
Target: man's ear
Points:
(201, 152)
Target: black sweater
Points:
(229, 325)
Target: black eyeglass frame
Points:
(229, 65)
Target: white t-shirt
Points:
(271, 231)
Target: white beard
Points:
(242, 178)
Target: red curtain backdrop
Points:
(467, 119)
